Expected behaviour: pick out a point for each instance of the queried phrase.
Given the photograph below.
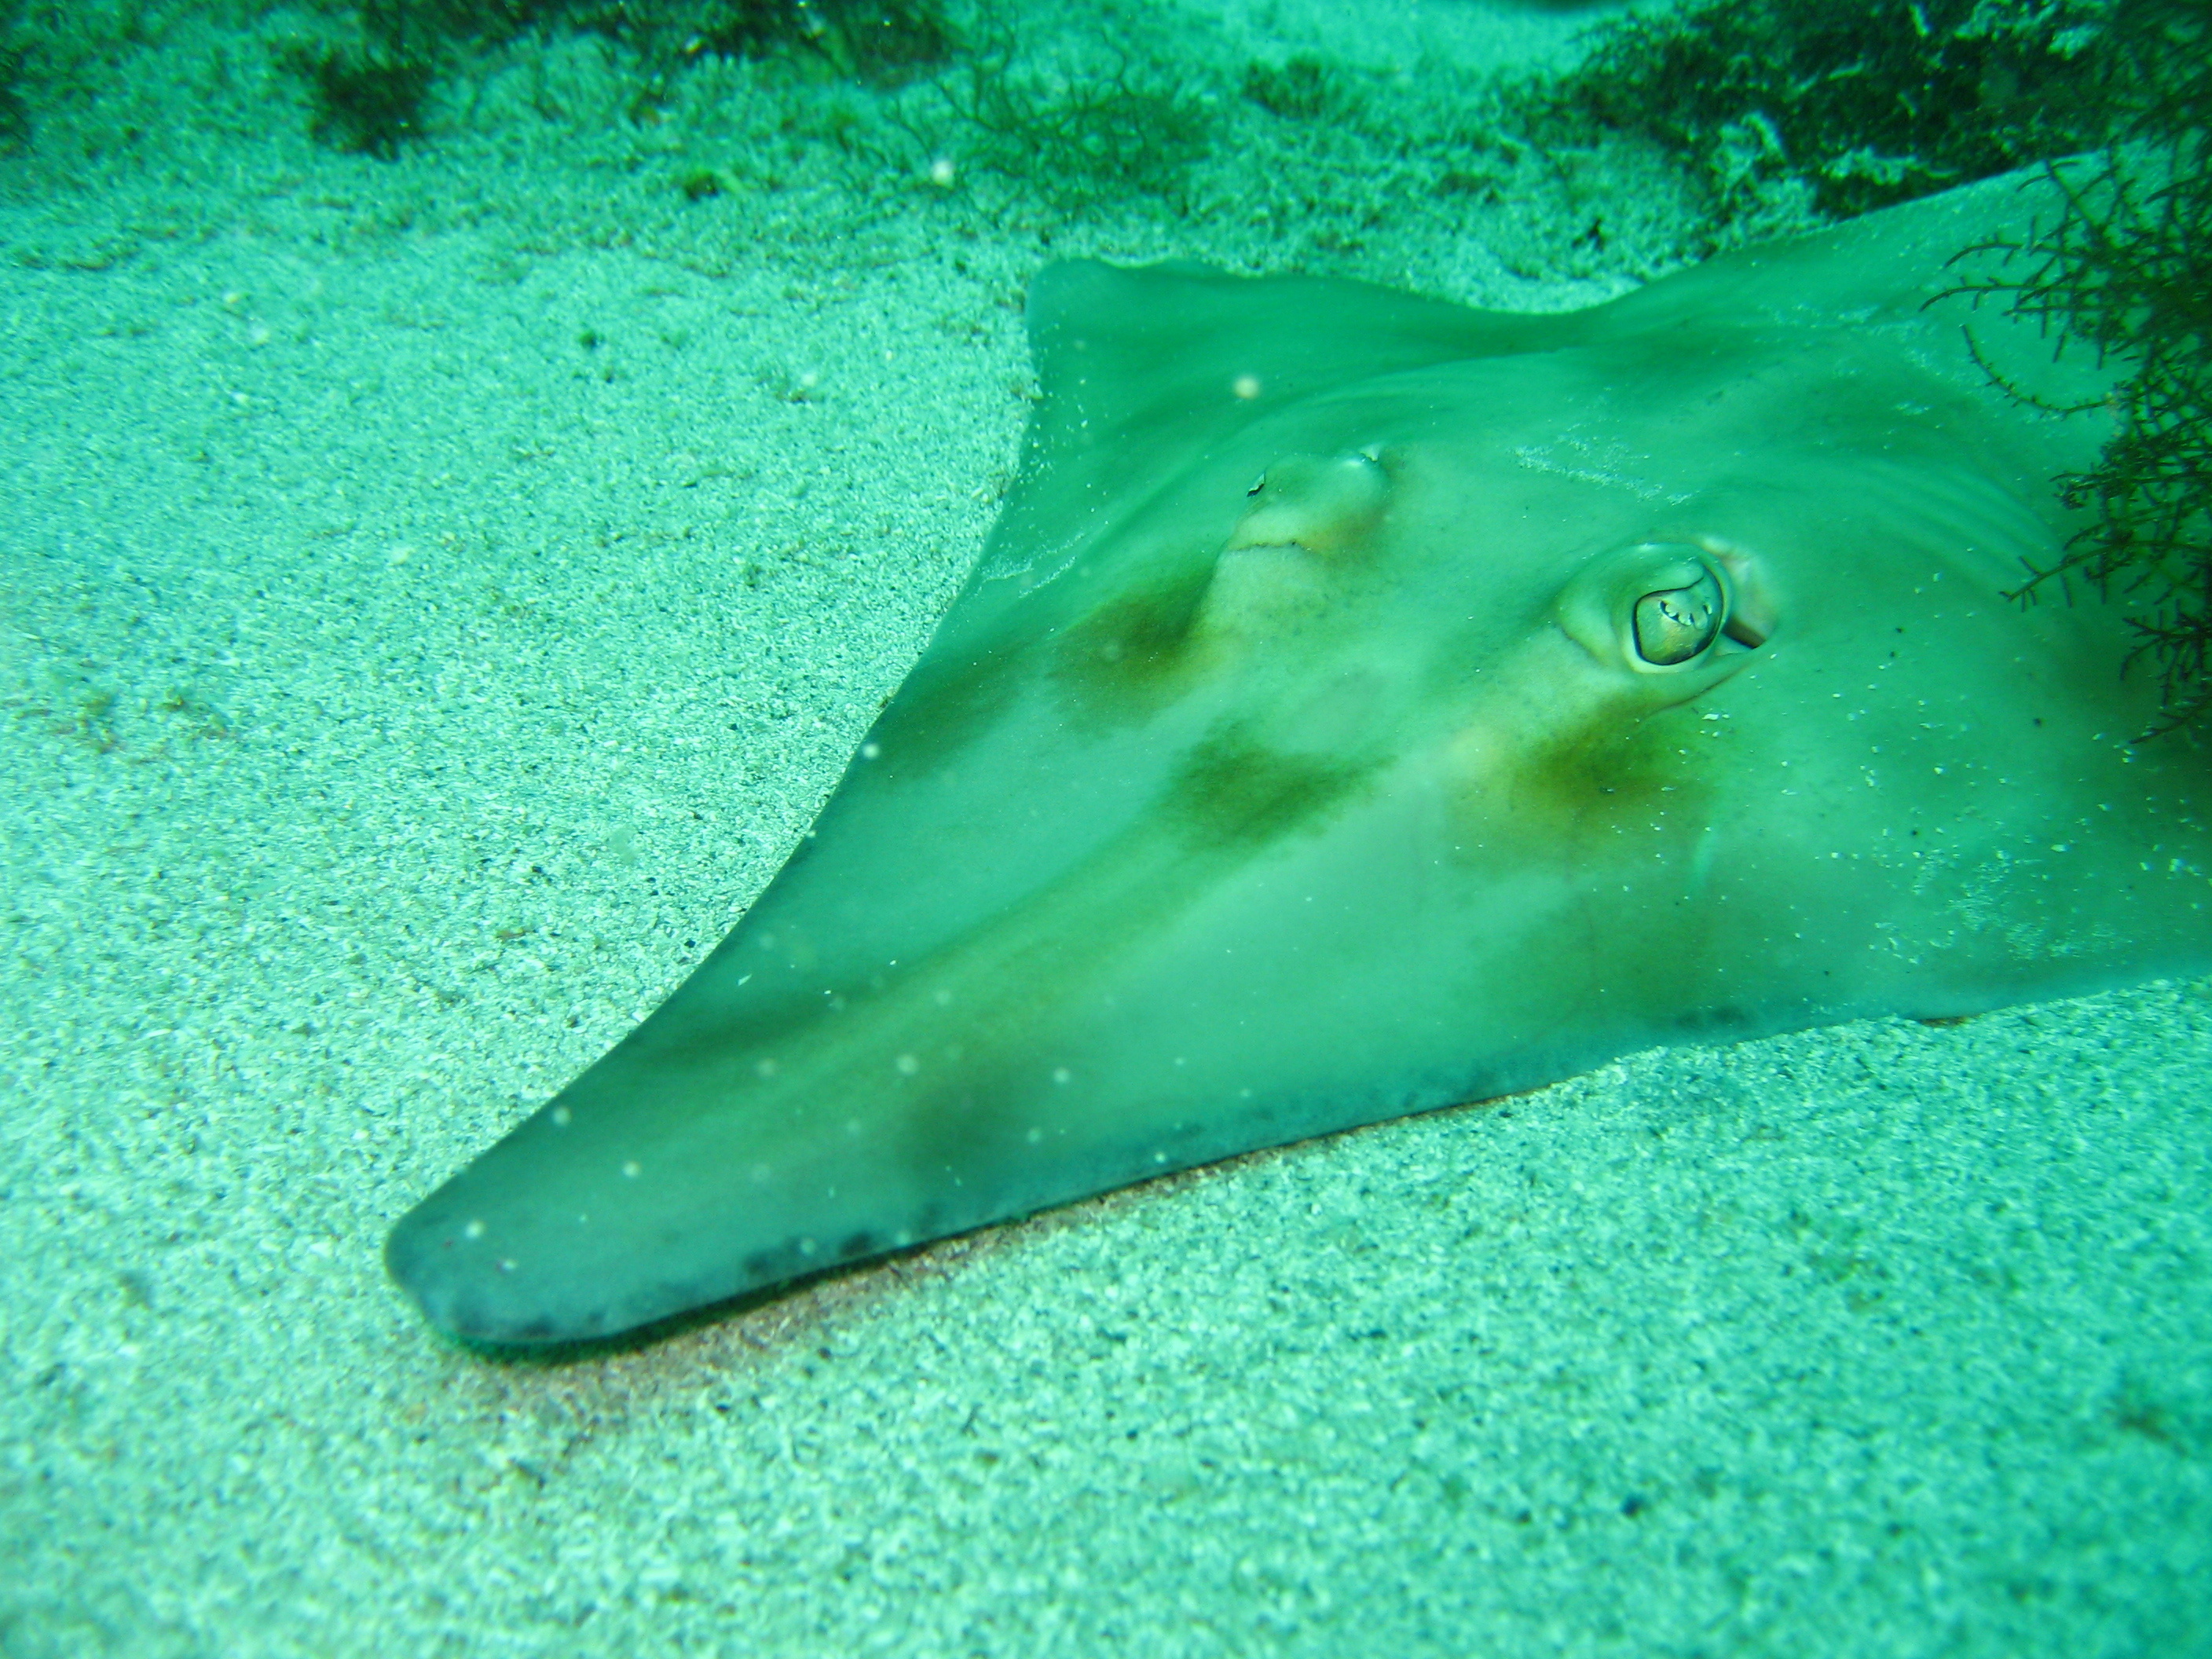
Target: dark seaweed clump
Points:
(1870, 102)
(1304, 88)
(885, 43)
(14, 109)
(880, 41)
(1123, 127)
(2127, 270)
(15, 113)
(372, 99)
(368, 103)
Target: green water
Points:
(439, 581)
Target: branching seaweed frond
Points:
(2126, 270)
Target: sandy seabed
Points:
(416, 650)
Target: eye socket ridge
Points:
(1678, 615)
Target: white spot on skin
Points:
(765, 1067)
(630, 1170)
(1246, 386)
(907, 1065)
(1061, 1074)
(474, 1229)
(562, 1117)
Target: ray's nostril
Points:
(1320, 503)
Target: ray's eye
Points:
(1676, 624)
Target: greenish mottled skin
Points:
(1365, 705)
